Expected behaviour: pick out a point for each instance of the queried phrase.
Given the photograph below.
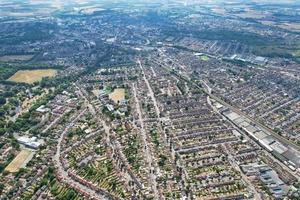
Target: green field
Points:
(204, 57)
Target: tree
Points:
(14, 101)
(2, 131)
(70, 194)
(14, 143)
(114, 185)
(2, 100)
(2, 112)
(2, 186)
(2, 167)
(162, 160)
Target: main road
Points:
(146, 146)
(150, 91)
(160, 129)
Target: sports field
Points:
(19, 161)
(117, 95)
(31, 76)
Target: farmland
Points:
(31, 76)
(14, 58)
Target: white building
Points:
(29, 142)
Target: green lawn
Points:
(204, 57)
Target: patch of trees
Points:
(273, 51)
(78, 131)
(131, 152)
(5, 163)
(29, 119)
(109, 114)
(239, 63)
(162, 160)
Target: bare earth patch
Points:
(117, 95)
(20, 161)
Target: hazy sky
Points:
(194, 1)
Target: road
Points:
(263, 127)
(268, 130)
(278, 107)
(148, 155)
(56, 120)
(64, 174)
(208, 91)
(127, 174)
(153, 72)
(60, 170)
(159, 127)
(266, 152)
(92, 110)
(151, 93)
(233, 163)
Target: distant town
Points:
(158, 100)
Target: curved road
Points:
(64, 174)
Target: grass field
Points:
(31, 76)
(117, 95)
(19, 161)
(204, 58)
